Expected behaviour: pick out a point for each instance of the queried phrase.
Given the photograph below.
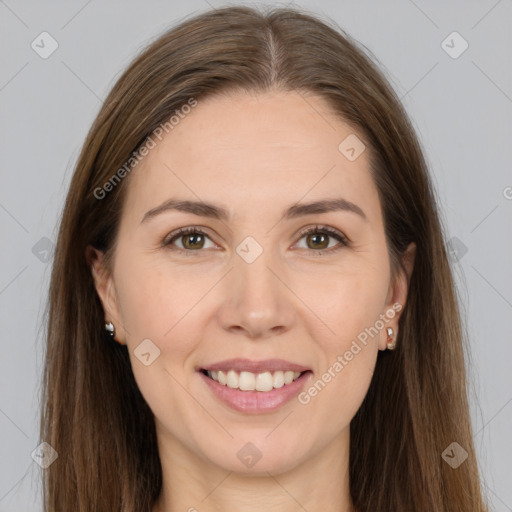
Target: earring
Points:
(391, 342)
(109, 327)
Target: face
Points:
(255, 296)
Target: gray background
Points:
(461, 108)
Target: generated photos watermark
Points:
(343, 360)
(144, 149)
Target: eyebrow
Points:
(204, 209)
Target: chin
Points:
(258, 458)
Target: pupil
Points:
(193, 236)
(319, 235)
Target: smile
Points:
(255, 391)
(248, 381)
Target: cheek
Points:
(350, 304)
(346, 300)
(153, 301)
(343, 309)
(166, 310)
(334, 396)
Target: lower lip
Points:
(256, 401)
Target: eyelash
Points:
(326, 230)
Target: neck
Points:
(320, 483)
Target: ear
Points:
(397, 296)
(104, 284)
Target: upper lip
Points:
(240, 365)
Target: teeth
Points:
(248, 381)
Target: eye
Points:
(191, 238)
(317, 239)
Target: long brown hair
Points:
(93, 413)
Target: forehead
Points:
(251, 151)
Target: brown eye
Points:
(188, 240)
(318, 240)
(193, 241)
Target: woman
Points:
(251, 306)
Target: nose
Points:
(256, 299)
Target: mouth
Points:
(249, 381)
(255, 387)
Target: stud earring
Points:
(109, 327)
(391, 342)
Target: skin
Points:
(256, 155)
